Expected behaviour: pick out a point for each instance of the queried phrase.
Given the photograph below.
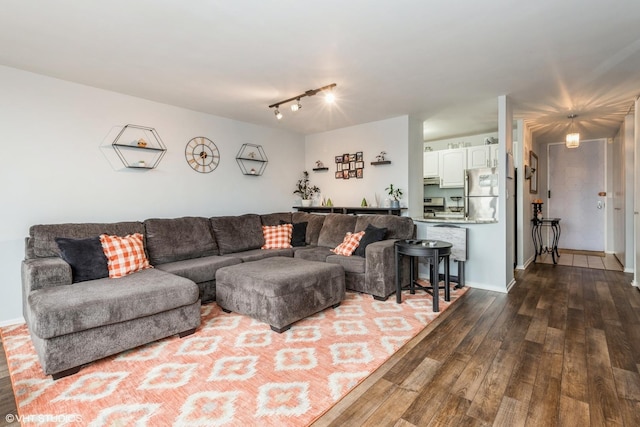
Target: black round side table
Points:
(434, 251)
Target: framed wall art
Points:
(533, 165)
(350, 165)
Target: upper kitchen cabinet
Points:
(430, 164)
(478, 156)
(482, 156)
(494, 155)
(452, 164)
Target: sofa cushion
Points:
(63, 310)
(398, 227)
(85, 256)
(313, 253)
(334, 228)
(258, 254)
(237, 233)
(177, 239)
(349, 244)
(41, 242)
(125, 255)
(351, 264)
(199, 269)
(372, 234)
(275, 218)
(277, 236)
(314, 225)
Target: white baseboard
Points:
(11, 322)
(486, 287)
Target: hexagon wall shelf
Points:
(139, 147)
(252, 159)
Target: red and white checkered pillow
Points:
(349, 244)
(125, 255)
(277, 236)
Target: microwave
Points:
(432, 180)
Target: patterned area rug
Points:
(233, 371)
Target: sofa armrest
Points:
(38, 273)
(380, 270)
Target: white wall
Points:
(57, 165)
(391, 136)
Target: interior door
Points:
(576, 177)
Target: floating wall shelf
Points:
(320, 169)
(384, 162)
(252, 159)
(139, 147)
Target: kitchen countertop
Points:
(436, 220)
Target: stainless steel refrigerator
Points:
(481, 194)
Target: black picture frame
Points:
(533, 165)
(338, 159)
(359, 156)
(338, 174)
(359, 173)
(352, 173)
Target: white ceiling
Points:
(443, 62)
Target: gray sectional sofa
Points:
(72, 324)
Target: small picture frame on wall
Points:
(359, 165)
(352, 165)
(339, 166)
(345, 158)
(345, 166)
(352, 173)
(338, 159)
(345, 173)
(339, 174)
(352, 157)
(359, 157)
(533, 164)
(359, 173)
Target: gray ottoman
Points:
(279, 290)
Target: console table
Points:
(536, 234)
(351, 210)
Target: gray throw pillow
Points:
(85, 256)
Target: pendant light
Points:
(573, 137)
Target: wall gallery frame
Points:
(533, 164)
(349, 165)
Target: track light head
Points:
(329, 97)
(296, 106)
(278, 113)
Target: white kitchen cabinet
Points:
(452, 165)
(430, 164)
(494, 155)
(479, 156)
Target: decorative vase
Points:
(395, 204)
(306, 202)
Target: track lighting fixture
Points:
(329, 97)
(573, 137)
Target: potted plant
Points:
(305, 189)
(396, 193)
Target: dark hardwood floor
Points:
(561, 349)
